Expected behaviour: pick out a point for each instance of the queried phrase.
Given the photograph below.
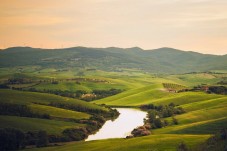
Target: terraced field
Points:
(205, 113)
(162, 142)
(38, 103)
(20, 97)
(33, 124)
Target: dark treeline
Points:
(105, 93)
(99, 94)
(211, 89)
(218, 90)
(20, 110)
(79, 94)
(19, 81)
(222, 83)
(4, 86)
(14, 139)
(156, 114)
(111, 113)
(217, 142)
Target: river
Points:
(121, 127)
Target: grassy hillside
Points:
(58, 112)
(205, 113)
(33, 124)
(20, 97)
(39, 103)
(163, 60)
(163, 142)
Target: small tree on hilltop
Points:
(175, 121)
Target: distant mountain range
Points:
(162, 60)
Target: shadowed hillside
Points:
(162, 60)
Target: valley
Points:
(70, 102)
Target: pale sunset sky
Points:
(195, 25)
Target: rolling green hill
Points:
(205, 113)
(162, 142)
(163, 60)
(20, 97)
(60, 118)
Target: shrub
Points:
(11, 139)
(42, 139)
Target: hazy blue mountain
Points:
(162, 60)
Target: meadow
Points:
(205, 113)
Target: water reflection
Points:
(121, 127)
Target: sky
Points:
(191, 25)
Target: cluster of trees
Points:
(14, 139)
(75, 107)
(75, 134)
(99, 94)
(20, 110)
(218, 90)
(105, 93)
(215, 142)
(18, 81)
(164, 110)
(222, 83)
(211, 89)
(4, 86)
(65, 93)
(156, 114)
(140, 131)
(96, 94)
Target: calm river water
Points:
(122, 126)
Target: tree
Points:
(42, 139)
(158, 123)
(11, 139)
(175, 121)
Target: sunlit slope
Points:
(163, 142)
(155, 94)
(201, 117)
(137, 96)
(58, 112)
(38, 103)
(33, 124)
(20, 97)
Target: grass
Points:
(154, 94)
(136, 97)
(73, 86)
(163, 142)
(205, 113)
(34, 124)
(58, 112)
(203, 127)
(20, 97)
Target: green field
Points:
(34, 124)
(162, 142)
(38, 103)
(58, 112)
(20, 97)
(205, 113)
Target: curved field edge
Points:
(34, 124)
(21, 97)
(162, 142)
(58, 112)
